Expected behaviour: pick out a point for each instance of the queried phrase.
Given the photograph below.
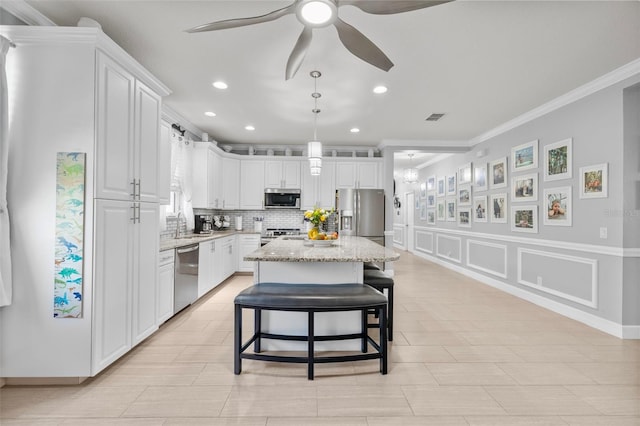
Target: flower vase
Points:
(313, 232)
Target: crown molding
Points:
(607, 80)
(455, 147)
(171, 116)
(26, 13)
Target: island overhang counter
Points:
(291, 260)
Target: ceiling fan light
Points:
(317, 13)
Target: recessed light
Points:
(355, 130)
(380, 89)
(210, 114)
(249, 128)
(220, 85)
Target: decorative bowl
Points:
(323, 243)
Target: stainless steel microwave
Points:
(276, 198)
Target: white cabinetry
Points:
(230, 183)
(251, 184)
(320, 190)
(126, 256)
(246, 244)
(128, 135)
(205, 162)
(209, 266)
(282, 174)
(164, 305)
(357, 174)
(229, 256)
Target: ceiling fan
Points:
(321, 13)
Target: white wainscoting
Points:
(398, 235)
(449, 247)
(558, 274)
(424, 241)
(497, 253)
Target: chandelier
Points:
(411, 174)
(314, 147)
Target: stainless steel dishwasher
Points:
(186, 277)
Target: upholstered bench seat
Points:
(310, 298)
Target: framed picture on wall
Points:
(451, 185)
(423, 210)
(525, 156)
(464, 173)
(431, 183)
(498, 173)
(524, 218)
(431, 217)
(431, 200)
(416, 198)
(440, 210)
(423, 190)
(558, 208)
(480, 211)
(594, 181)
(480, 177)
(440, 186)
(464, 217)
(451, 210)
(464, 195)
(498, 207)
(524, 188)
(557, 160)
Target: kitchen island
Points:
(291, 260)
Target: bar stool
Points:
(381, 282)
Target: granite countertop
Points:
(188, 239)
(344, 249)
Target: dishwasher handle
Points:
(187, 249)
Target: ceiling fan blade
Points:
(242, 22)
(390, 7)
(298, 53)
(361, 46)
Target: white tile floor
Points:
(463, 354)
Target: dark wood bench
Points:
(310, 298)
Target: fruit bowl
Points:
(322, 243)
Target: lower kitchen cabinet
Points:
(247, 244)
(209, 266)
(164, 305)
(229, 257)
(126, 267)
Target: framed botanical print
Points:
(440, 186)
(440, 210)
(498, 207)
(480, 177)
(431, 183)
(524, 157)
(480, 208)
(558, 208)
(451, 209)
(594, 181)
(451, 185)
(524, 188)
(464, 195)
(431, 200)
(464, 174)
(423, 210)
(558, 160)
(431, 217)
(498, 173)
(464, 217)
(524, 218)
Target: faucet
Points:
(178, 224)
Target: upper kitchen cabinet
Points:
(318, 191)
(282, 174)
(206, 172)
(230, 183)
(357, 174)
(164, 165)
(251, 184)
(128, 135)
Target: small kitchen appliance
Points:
(203, 224)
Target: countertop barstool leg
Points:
(383, 339)
(365, 330)
(237, 340)
(257, 329)
(311, 342)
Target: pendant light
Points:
(314, 147)
(410, 174)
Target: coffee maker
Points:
(203, 224)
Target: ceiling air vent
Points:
(434, 117)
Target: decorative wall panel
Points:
(487, 257)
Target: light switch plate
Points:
(603, 233)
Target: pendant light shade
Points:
(314, 147)
(315, 166)
(410, 174)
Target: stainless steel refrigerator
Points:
(361, 213)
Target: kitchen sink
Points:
(295, 237)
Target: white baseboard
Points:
(2, 382)
(604, 325)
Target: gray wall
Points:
(565, 266)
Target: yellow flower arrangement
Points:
(318, 216)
